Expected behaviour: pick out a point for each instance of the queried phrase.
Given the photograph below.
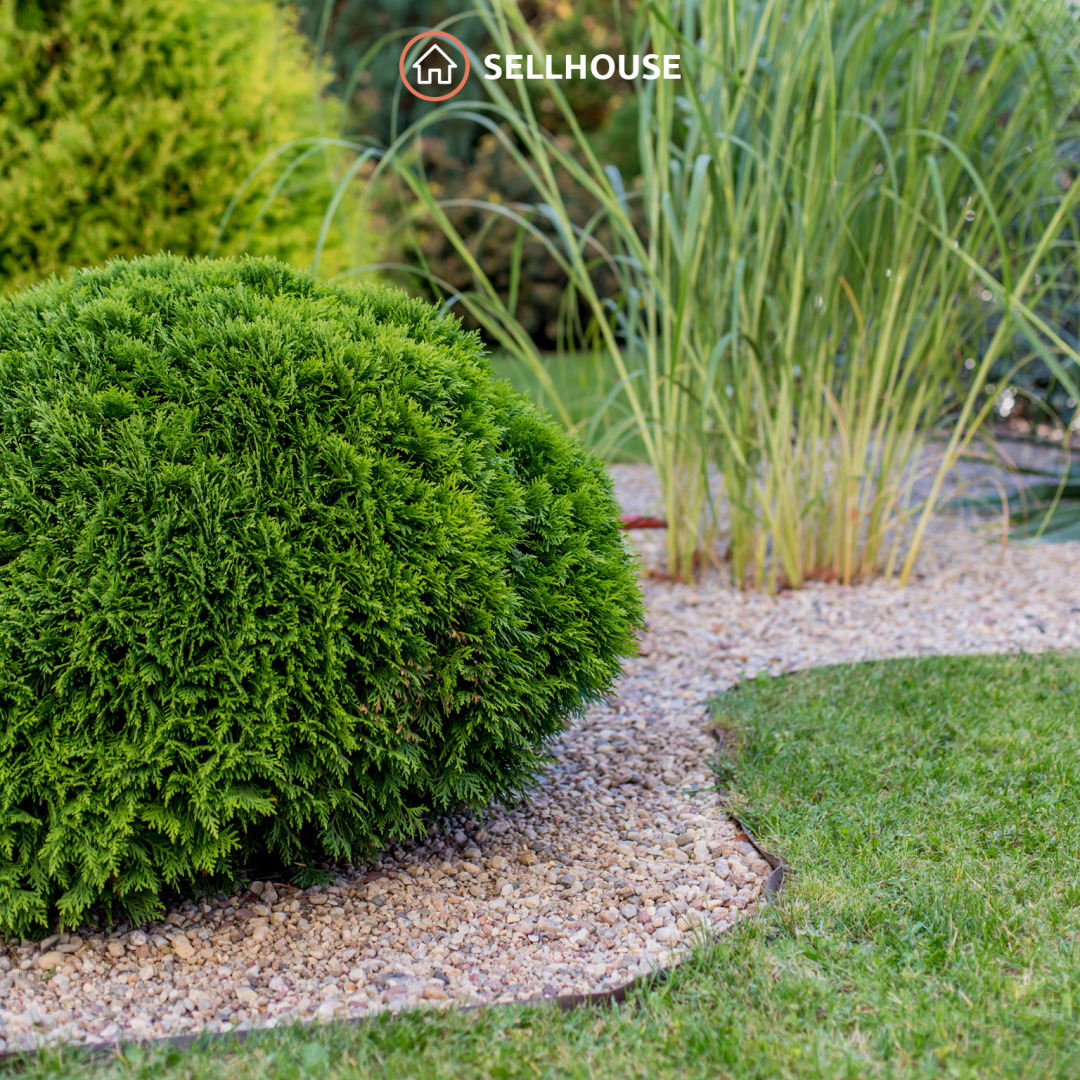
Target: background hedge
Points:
(282, 569)
(127, 125)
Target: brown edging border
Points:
(566, 1002)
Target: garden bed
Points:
(607, 872)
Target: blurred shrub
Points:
(535, 287)
(282, 568)
(347, 29)
(366, 73)
(463, 160)
(126, 125)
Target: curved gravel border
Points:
(605, 876)
(620, 860)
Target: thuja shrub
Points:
(127, 128)
(283, 569)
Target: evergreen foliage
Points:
(282, 569)
(126, 127)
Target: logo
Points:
(602, 67)
(433, 66)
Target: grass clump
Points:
(930, 927)
(282, 569)
(847, 216)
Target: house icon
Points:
(434, 62)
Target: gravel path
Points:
(615, 866)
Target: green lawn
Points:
(931, 925)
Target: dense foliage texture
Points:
(282, 568)
(126, 127)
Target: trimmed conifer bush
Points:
(127, 128)
(282, 570)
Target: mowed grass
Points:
(930, 926)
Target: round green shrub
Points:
(282, 570)
(127, 125)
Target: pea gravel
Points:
(616, 865)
